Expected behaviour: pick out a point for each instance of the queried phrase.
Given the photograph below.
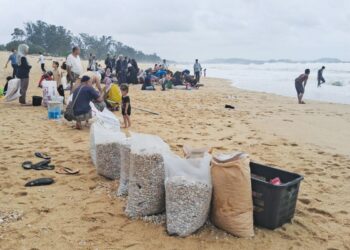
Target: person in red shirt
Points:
(300, 84)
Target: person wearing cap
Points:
(82, 96)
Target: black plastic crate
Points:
(274, 205)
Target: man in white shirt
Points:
(42, 62)
(74, 67)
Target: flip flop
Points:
(42, 155)
(229, 106)
(67, 171)
(43, 165)
(39, 182)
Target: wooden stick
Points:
(147, 111)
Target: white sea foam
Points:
(278, 78)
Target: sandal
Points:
(67, 171)
(39, 182)
(43, 165)
(42, 156)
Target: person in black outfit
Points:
(108, 62)
(23, 71)
(126, 107)
(320, 79)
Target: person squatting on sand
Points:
(126, 106)
(300, 84)
(23, 71)
(82, 96)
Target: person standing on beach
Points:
(320, 79)
(42, 62)
(23, 71)
(13, 59)
(197, 70)
(74, 67)
(205, 72)
(300, 84)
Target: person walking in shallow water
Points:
(300, 84)
(320, 79)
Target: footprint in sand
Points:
(320, 212)
(305, 201)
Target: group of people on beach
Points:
(85, 86)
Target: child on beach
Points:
(126, 107)
(57, 77)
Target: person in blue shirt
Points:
(13, 59)
(82, 96)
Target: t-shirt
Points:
(125, 100)
(319, 75)
(41, 59)
(13, 58)
(302, 78)
(82, 103)
(75, 64)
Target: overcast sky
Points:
(187, 29)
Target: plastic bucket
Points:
(37, 100)
(54, 110)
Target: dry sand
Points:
(80, 212)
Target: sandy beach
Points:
(82, 212)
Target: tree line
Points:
(58, 41)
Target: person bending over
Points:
(82, 97)
(126, 106)
(300, 84)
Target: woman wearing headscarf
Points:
(23, 71)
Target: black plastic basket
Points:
(274, 205)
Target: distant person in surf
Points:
(320, 79)
(300, 84)
(197, 68)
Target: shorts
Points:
(83, 117)
(300, 88)
(128, 112)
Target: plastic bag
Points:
(106, 118)
(13, 90)
(49, 90)
(105, 147)
(232, 206)
(125, 151)
(190, 152)
(146, 176)
(188, 193)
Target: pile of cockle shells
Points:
(108, 159)
(187, 205)
(146, 185)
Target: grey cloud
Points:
(183, 29)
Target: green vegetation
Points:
(58, 41)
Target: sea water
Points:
(278, 78)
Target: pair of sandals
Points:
(42, 165)
(45, 165)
